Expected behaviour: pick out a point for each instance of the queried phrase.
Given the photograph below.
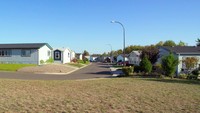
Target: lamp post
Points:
(110, 52)
(123, 39)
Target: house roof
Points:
(183, 49)
(126, 55)
(136, 52)
(24, 46)
(62, 49)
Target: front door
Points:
(57, 55)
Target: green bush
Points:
(169, 64)
(50, 60)
(127, 70)
(192, 77)
(42, 62)
(183, 76)
(146, 65)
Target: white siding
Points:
(119, 57)
(134, 58)
(43, 53)
(66, 56)
(72, 56)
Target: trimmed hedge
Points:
(127, 70)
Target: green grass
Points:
(13, 67)
(79, 65)
(118, 95)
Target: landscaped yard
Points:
(13, 67)
(101, 95)
(79, 65)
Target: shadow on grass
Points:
(175, 80)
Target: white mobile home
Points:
(25, 53)
(62, 55)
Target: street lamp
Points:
(110, 52)
(123, 38)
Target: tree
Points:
(85, 53)
(169, 64)
(159, 43)
(198, 42)
(146, 65)
(181, 43)
(119, 51)
(131, 48)
(151, 52)
(169, 43)
(190, 62)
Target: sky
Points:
(85, 24)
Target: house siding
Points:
(16, 57)
(134, 58)
(43, 54)
(120, 58)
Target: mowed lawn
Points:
(13, 67)
(116, 95)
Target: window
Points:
(68, 55)
(5, 53)
(49, 53)
(26, 53)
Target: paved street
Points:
(95, 70)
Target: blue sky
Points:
(85, 24)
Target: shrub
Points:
(137, 69)
(50, 60)
(127, 70)
(195, 72)
(74, 60)
(183, 76)
(169, 64)
(42, 62)
(194, 77)
(146, 65)
(158, 68)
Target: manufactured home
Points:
(25, 53)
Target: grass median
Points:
(101, 95)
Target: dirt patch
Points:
(49, 68)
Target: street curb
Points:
(64, 73)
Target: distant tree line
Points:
(131, 48)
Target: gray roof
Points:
(24, 46)
(183, 49)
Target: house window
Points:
(26, 53)
(49, 53)
(68, 55)
(5, 53)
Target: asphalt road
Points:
(95, 70)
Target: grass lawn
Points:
(118, 95)
(13, 67)
(79, 65)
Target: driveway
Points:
(95, 70)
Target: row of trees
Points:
(131, 48)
